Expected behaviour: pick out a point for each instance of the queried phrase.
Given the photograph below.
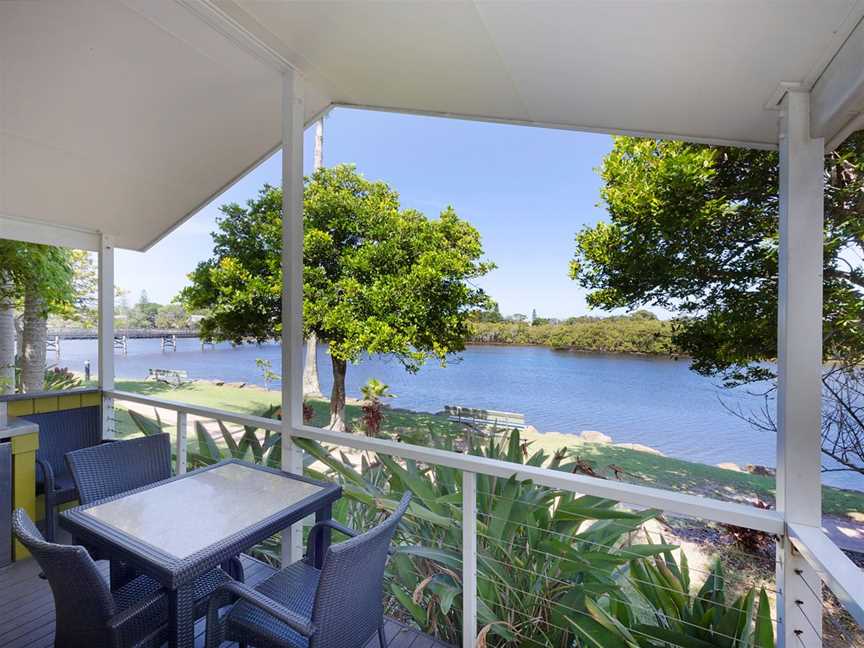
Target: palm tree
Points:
(35, 340)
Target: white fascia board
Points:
(696, 139)
(35, 231)
(838, 94)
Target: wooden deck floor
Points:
(27, 611)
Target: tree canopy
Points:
(240, 285)
(694, 229)
(377, 278)
(46, 270)
(38, 280)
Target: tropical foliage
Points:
(372, 408)
(35, 280)
(678, 617)
(551, 564)
(60, 378)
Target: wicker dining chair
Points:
(110, 469)
(88, 613)
(338, 606)
(113, 468)
(60, 432)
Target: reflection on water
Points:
(653, 401)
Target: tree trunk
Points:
(311, 384)
(35, 339)
(337, 396)
(19, 344)
(7, 339)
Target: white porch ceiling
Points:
(125, 117)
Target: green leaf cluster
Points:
(694, 229)
(541, 553)
(664, 612)
(377, 278)
(44, 270)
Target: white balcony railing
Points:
(837, 572)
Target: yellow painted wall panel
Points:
(24, 481)
(89, 400)
(47, 404)
(20, 407)
(69, 402)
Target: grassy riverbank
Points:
(632, 465)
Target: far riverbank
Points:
(634, 334)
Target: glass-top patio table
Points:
(180, 528)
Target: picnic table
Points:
(237, 505)
(175, 377)
(484, 417)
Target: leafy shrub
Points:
(60, 378)
(675, 616)
(372, 408)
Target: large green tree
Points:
(378, 279)
(37, 280)
(694, 229)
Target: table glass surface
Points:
(192, 513)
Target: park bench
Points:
(484, 418)
(174, 377)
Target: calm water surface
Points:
(656, 402)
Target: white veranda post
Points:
(106, 332)
(292, 288)
(799, 364)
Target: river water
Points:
(658, 402)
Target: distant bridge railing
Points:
(131, 333)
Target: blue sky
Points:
(527, 190)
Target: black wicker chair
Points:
(339, 606)
(113, 468)
(88, 613)
(110, 469)
(60, 432)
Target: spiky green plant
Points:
(664, 612)
(541, 552)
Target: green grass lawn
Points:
(636, 467)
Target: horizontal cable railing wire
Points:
(830, 615)
(589, 570)
(582, 613)
(630, 577)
